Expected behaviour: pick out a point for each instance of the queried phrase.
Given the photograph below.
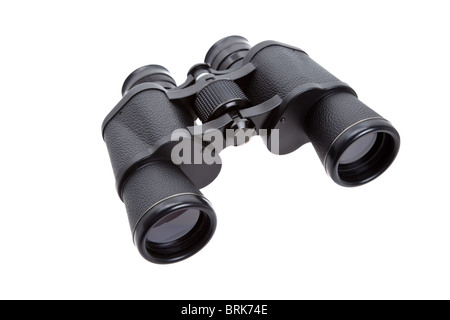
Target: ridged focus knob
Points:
(217, 98)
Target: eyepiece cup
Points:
(226, 54)
(151, 73)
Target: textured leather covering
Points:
(145, 119)
(331, 116)
(152, 183)
(214, 95)
(279, 70)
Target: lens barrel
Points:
(158, 196)
(354, 143)
(170, 218)
(333, 124)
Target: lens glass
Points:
(358, 148)
(173, 226)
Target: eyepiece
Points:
(228, 53)
(151, 73)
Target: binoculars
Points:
(162, 156)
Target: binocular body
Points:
(271, 89)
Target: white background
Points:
(285, 229)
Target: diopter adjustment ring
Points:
(217, 98)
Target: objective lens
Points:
(358, 149)
(173, 226)
(367, 157)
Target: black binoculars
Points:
(161, 157)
